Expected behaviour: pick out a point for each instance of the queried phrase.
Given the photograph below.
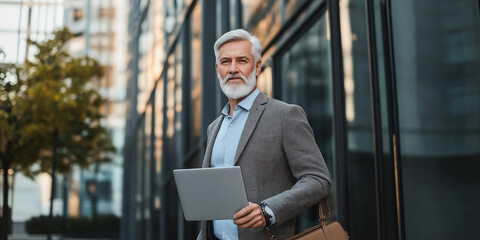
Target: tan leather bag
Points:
(324, 231)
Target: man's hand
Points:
(250, 216)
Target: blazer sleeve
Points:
(306, 164)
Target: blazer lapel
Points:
(252, 120)
(211, 140)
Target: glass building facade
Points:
(22, 20)
(99, 29)
(390, 89)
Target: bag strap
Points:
(272, 236)
(322, 207)
(321, 216)
(324, 211)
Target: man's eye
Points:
(224, 61)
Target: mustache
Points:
(236, 75)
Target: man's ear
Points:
(258, 68)
(216, 67)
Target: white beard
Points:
(236, 90)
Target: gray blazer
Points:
(280, 161)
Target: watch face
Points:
(266, 215)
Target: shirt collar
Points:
(245, 103)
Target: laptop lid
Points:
(210, 193)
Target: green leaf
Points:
(47, 93)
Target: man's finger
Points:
(245, 211)
(249, 217)
(244, 220)
(245, 215)
(257, 221)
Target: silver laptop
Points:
(210, 193)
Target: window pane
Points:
(146, 174)
(358, 112)
(262, 18)
(144, 79)
(156, 18)
(140, 164)
(196, 25)
(307, 81)
(10, 15)
(264, 81)
(9, 45)
(158, 115)
(179, 143)
(265, 18)
(437, 57)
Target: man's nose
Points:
(233, 68)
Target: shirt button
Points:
(227, 166)
(228, 144)
(231, 125)
(226, 236)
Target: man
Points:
(271, 141)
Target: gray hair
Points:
(239, 35)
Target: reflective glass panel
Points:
(265, 18)
(146, 175)
(262, 18)
(158, 157)
(437, 59)
(196, 71)
(307, 81)
(292, 6)
(171, 155)
(264, 81)
(144, 64)
(157, 17)
(179, 143)
(360, 156)
(140, 164)
(158, 128)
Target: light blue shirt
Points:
(224, 149)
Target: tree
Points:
(18, 142)
(54, 98)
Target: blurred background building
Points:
(100, 29)
(100, 32)
(391, 89)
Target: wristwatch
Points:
(266, 215)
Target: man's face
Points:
(236, 69)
